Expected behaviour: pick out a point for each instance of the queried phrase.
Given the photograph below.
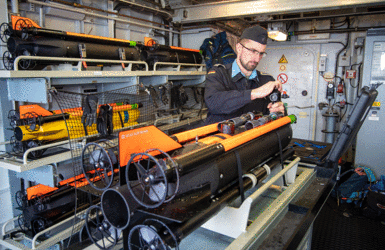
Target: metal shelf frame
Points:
(33, 86)
(78, 60)
(193, 69)
(64, 230)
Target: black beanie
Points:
(255, 33)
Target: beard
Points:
(249, 66)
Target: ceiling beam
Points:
(232, 9)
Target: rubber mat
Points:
(333, 230)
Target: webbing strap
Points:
(281, 157)
(240, 174)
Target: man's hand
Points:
(276, 107)
(266, 89)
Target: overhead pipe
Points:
(58, 6)
(358, 29)
(15, 6)
(210, 26)
(153, 10)
(106, 11)
(294, 33)
(152, 2)
(41, 17)
(345, 30)
(320, 17)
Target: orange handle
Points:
(123, 107)
(251, 134)
(186, 49)
(191, 134)
(72, 179)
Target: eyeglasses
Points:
(254, 51)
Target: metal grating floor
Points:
(332, 230)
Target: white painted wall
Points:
(193, 39)
(301, 76)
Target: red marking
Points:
(282, 78)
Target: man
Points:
(237, 88)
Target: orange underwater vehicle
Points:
(176, 178)
(25, 37)
(35, 125)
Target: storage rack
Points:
(33, 86)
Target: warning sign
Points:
(282, 78)
(282, 67)
(376, 104)
(283, 59)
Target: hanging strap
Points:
(239, 165)
(219, 136)
(281, 157)
(121, 119)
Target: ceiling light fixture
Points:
(277, 31)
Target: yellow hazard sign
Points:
(283, 59)
(376, 104)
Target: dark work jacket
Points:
(228, 97)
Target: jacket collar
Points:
(237, 74)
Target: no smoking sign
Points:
(282, 78)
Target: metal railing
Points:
(36, 244)
(179, 65)
(79, 60)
